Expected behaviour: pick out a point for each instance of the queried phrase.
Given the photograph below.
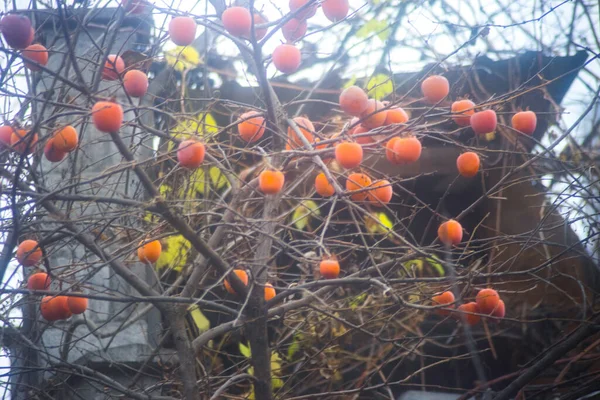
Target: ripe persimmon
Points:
(487, 300)
(463, 109)
(435, 88)
(450, 232)
(525, 122)
(335, 10)
(6, 132)
(51, 153)
(306, 127)
(190, 154)
(329, 269)
(23, 142)
(483, 122)
(38, 281)
(395, 115)
(149, 252)
(470, 308)
(107, 116)
(237, 21)
(113, 67)
(252, 126)
(306, 12)
(444, 299)
(76, 304)
(468, 164)
(135, 83)
(16, 30)
(259, 33)
(182, 30)
(406, 150)
(359, 130)
(54, 308)
(381, 193)
(390, 154)
(357, 181)
(371, 118)
(269, 292)
(241, 274)
(354, 101)
(287, 58)
(323, 187)
(499, 311)
(29, 253)
(65, 139)
(35, 53)
(271, 181)
(294, 30)
(48, 308)
(349, 154)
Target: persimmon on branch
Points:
(326, 264)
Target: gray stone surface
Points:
(420, 395)
(97, 157)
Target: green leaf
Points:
(380, 86)
(357, 301)
(304, 212)
(295, 346)
(374, 26)
(245, 350)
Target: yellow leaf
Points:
(182, 58)
(416, 264)
(374, 26)
(217, 178)
(202, 323)
(245, 350)
(203, 125)
(350, 82)
(149, 217)
(436, 265)
(276, 381)
(378, 223)
(197, 182)
(433, 265)
(174, 254)
(165, 189)
(304, 212)
(380, 86)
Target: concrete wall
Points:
(78, 173)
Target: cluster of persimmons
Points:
(368, 116)
(487, 302)
(52, 308)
